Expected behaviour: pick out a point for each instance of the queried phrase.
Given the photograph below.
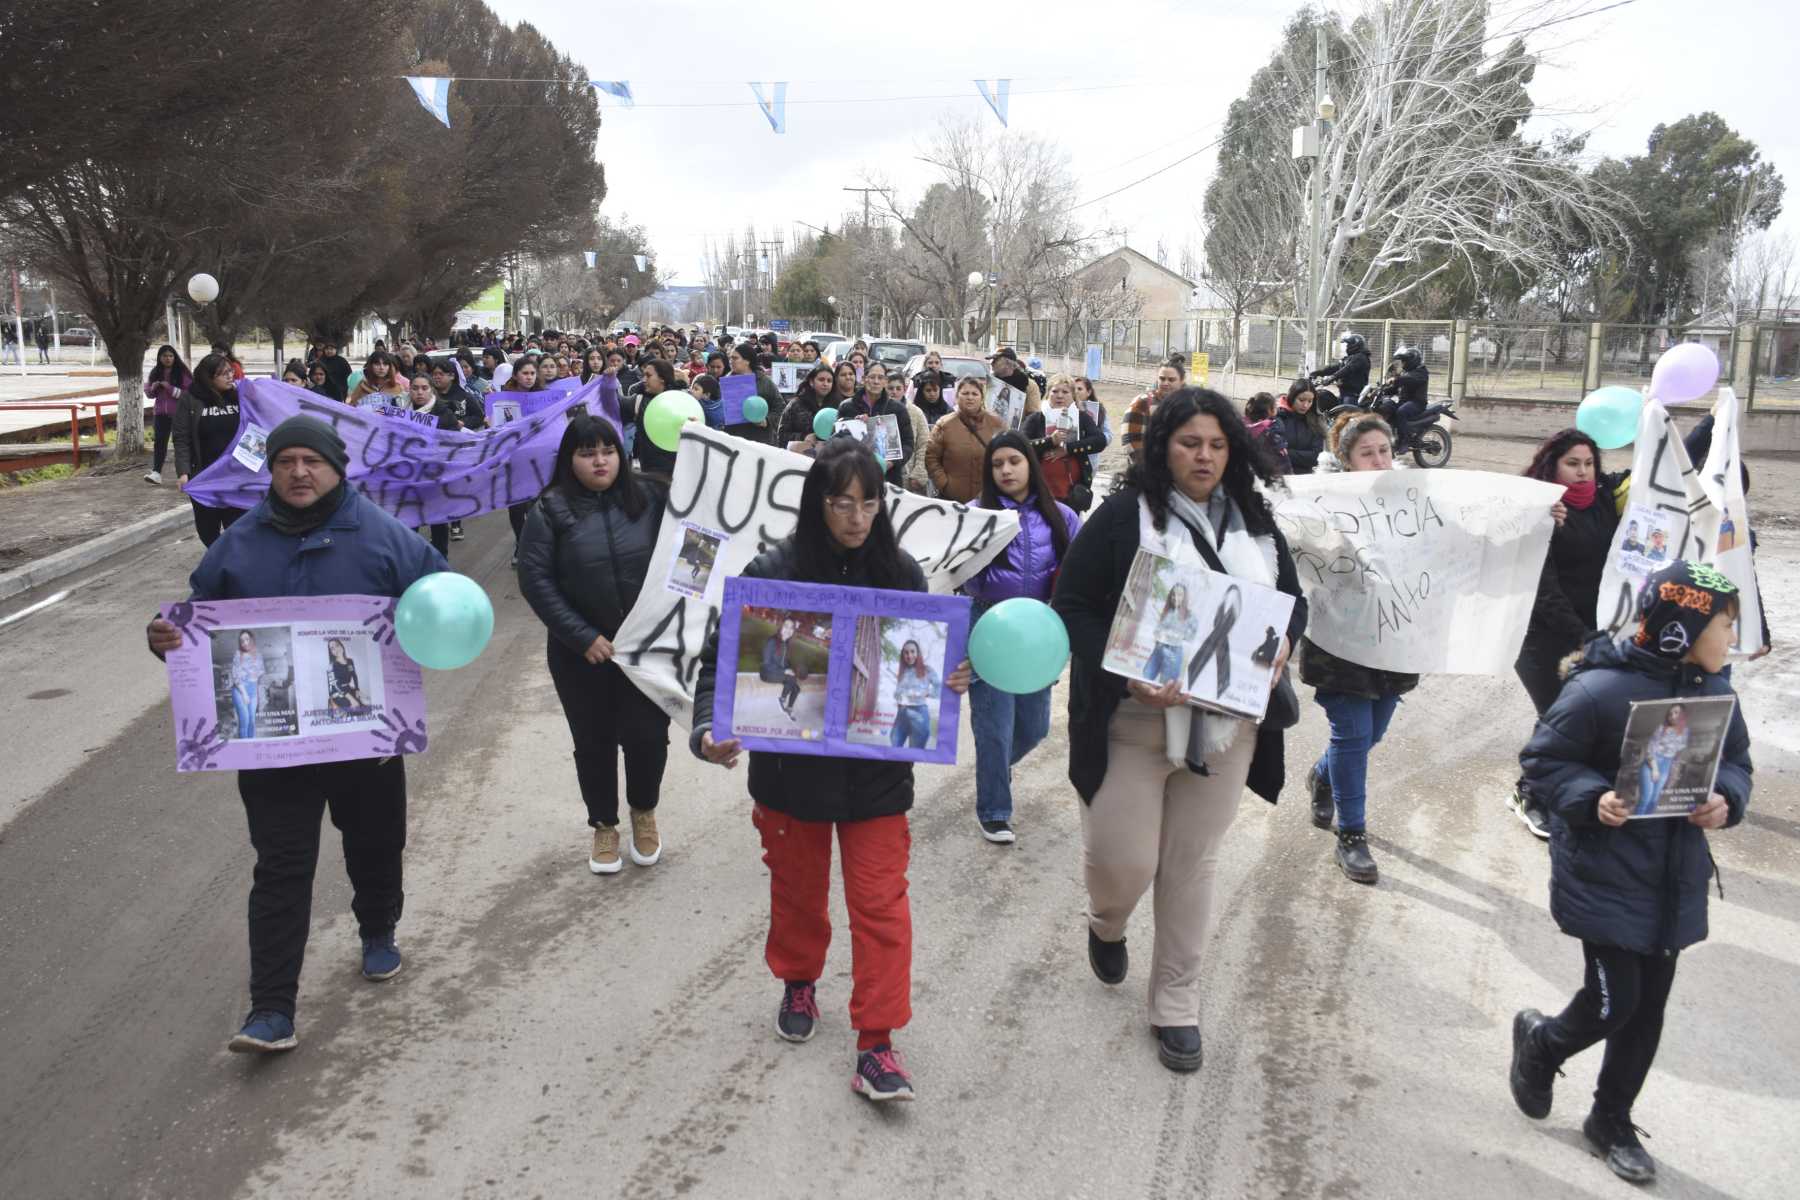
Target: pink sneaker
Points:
(879, 1075)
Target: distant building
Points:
(1161, 294)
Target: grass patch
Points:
(19, 479)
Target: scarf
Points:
(298, 522)
(1580, 495)
(1193, 732)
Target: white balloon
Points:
(203, 288)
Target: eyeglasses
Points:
(844, 506)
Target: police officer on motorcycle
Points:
(1405, 397)
(1350, 373)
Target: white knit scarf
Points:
(1243, 557)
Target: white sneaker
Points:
(153, 477)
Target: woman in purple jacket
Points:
(1006, 725)
(168, 379)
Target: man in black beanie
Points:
(312, 535)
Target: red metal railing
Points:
(74, 408)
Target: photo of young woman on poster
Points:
(1175, 627)
(342, 689)
(783, 657)
(897, 682)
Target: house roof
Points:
(1144, 259)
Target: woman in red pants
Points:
(842, 536)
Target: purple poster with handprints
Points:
(848, 672)
(286, 680)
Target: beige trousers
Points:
(1154, 822)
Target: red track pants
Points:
(798, 855)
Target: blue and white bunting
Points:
(996, 96)
(643, 263)
(774, 108)
(433, 92)
(615, 87)
(589, 256)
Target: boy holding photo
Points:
(1634, 892)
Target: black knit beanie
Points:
(314, 435)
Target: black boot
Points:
(1178, 1046)
(1353, 856)
(1615, 1139)
(1109, 960)
(1319, 785)
(1533, 1071)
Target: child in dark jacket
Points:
(1634, 892)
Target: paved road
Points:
(558, 1034)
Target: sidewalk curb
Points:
(67, 562)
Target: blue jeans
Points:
(1007, 727)
(912, 726)
(1165, 663)
(1357, 726)
(245, 704)
(1650, 786)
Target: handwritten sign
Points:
(1675, 511)
(282, 681)
(847, 672)
(733, 391)
(1428, 572)
(746, 496)
(422, 475)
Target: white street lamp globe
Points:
(203, 288)
(831, 300)
(976, 279)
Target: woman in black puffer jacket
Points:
(1568, 593)
(1303, 426)
(842, 535)
(583, 556)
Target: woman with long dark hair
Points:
(1160, 781)
(381, 377)
(205, 429)
(343, 691)
(583, 559)
(870, 403)
(1303, 426)
(524, 378)
(1008, 725)
(916, 690)
(796, 432)
(1568, 592)
(845, 378)
(658, 377)
(168, 379)
(842, 535)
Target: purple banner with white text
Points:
(419, 474)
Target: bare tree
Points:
(1763, 278)
(1251, 251)
(1425, 171)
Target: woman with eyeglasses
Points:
(842, 535)
(872, 403)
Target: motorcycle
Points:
(1427, 440)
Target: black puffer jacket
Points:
(1087, 592)
(1641, 886)
(860, 406)
(1568, 594)
(1325, 671)
(583, 559)
(1304, 443)
(805, 786)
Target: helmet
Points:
(1034, 364)
(1409, 358)
(1354, 343)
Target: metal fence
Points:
(1549, 362)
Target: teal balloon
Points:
(825, 423)
(443, 621)
(1610, 416)
(755, 409)
(355, 379)
(1019, 646)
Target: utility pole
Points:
(1310, 142)
(768, 257)
(862, 325)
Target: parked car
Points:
(77, 336)
(822, 340)
(959, 367)
(836, 352)
(891, 352)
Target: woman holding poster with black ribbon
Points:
(583, 557)
(1160, 780)
(842, 535)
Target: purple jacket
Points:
(1028, 564)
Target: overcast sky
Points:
(1128, 86)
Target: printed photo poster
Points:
(1670, 756)
(897, 667)
(750, 493)
(1421, 572)
(692, 569)
(884, 437)
(282, 681)
(839, 671)
(1215, 635)
(1675, 510)
(787, 376)
(1007, 403)
(783, 668)
(252, 448)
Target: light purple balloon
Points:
(1684, 372)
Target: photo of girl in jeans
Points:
(916, 689)
(1174, 629)
(1666, 745)
(246, 678)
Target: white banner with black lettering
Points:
(730, 499)
(1677, 511)
(1422, 572)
